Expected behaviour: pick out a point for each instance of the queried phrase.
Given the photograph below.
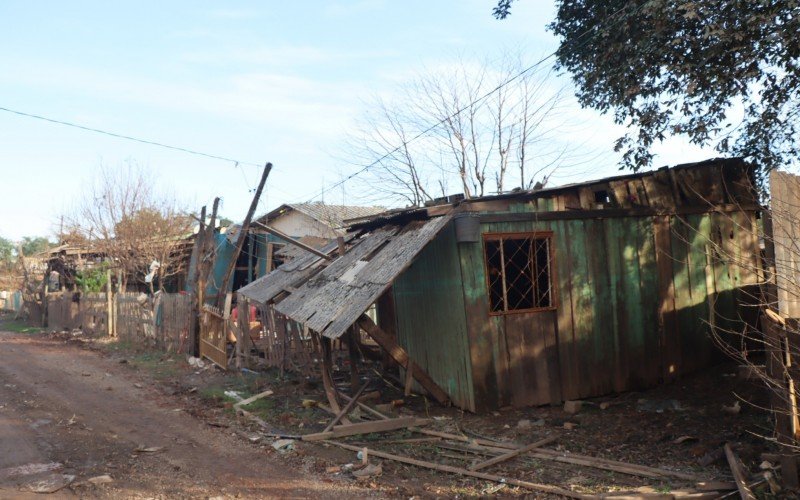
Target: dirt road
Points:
(66, 411)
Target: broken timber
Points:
(401, 357)
(464, 472)
(565, 457)
(347, 408)
(367, 428)
(738, 474)
(513, 453)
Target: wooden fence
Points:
(162, 323)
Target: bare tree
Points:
(490, 119)
(127, 217)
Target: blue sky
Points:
(254, 81)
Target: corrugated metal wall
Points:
(430, 317)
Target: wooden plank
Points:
(513, 453)
(738, 474)
(605, 213)
(401, 357)
(565, 334)
(464, 472)
(366, 428)
(666, 298)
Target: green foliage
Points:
(34, 244)
(92, 280)
(6, 253)
(723, 73)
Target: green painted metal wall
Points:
(431, 325)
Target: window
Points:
(519, 272)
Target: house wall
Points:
(297, 224)
(633, 297)
(431, 325)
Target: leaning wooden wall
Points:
(431, 325)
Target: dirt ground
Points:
(65, 411)
(87, 405)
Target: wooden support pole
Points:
(347, 408)
(464, 472)
(513, 453)
(109, 305)
(327, 380)
(244, 231)
(352, 349)
(401, 357)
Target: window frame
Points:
(500, 236)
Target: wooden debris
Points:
(465, 472)
(399, 354)
(738, 474)
(366, 428)
(566, 457)
(372, 411)
(251, 399)
(347, 408)
(413, 440)
(513, 453)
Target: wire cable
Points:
(129, 138)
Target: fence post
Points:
(109, 301)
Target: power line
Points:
(129, 138)
(464, 108)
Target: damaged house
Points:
(535, 297)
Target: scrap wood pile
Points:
(363, 429)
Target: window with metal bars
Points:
(519, 272)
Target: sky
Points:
(284, 82)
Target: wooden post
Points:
(327, 380)
(109, 302)
(245, 229)
(352, 349)
(243, 342)
(205, 263)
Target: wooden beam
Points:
(513, 453)
(367, 428)
(738, 474)
(292, 241)
(243, 232)
(464, 472)
(401, 357)
(610, 212)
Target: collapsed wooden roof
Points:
(329, 297)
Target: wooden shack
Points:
(535, 297)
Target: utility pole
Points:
(242, 236)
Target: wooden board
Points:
(367, 428)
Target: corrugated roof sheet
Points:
(330, 300)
